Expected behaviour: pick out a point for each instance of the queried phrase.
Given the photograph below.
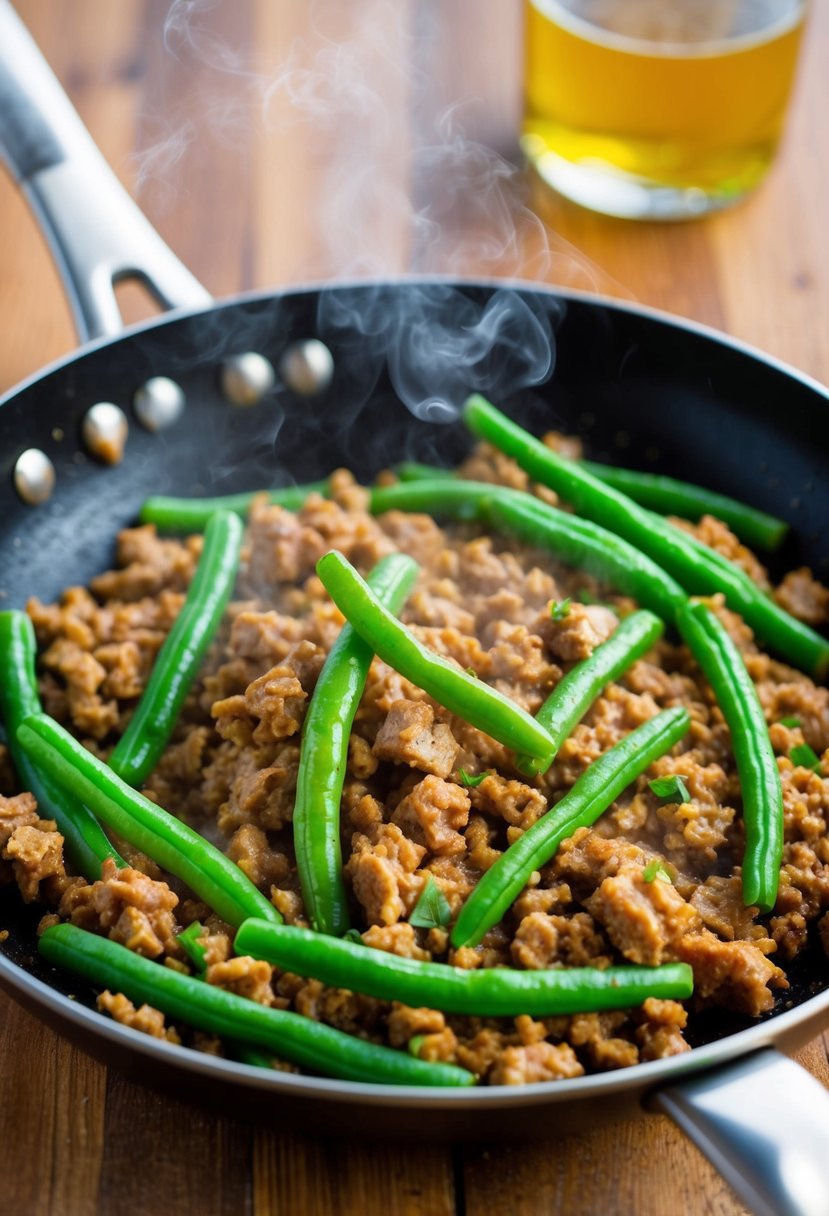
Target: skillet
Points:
(670, 396)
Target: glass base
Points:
(602, 187)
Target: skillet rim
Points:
(644, 1076)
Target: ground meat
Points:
(538, 1062)
(578, 631)
(429, 800)
(101, 907)
(16, 812)
(245, 976)
(804, 597)
(411, 735)
(433, 814)
(36, 854)
(145, 1018)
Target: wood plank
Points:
(162, 1155)
(51, 1120)
(304, 1176)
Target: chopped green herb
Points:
(470, 780)
(353, 935)
(792, 723)
(805, 757)
(415, 1043)
(672, 788)
(470, 671)
(432, 908)
(189, 941)
(559, 609)
(656, 870)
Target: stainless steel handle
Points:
(97, 234)
(763, 1123)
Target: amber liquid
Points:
(698, 120)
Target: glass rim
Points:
(554, 10)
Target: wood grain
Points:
(274, 142)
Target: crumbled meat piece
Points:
(579, 631)
(734, 974)
(400, 939)
(432, 815)
(518, 804)
(543, 941)
(644, 920)
(16, 812)
(248, 977)
(411, 735)
(145, 1018)
(147, 564)
(37, 854)
(405, 1022)
(538, 1062)
(99, 905)
(804, 597)
(382, 874)
(263, 865)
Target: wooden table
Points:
(274, 142)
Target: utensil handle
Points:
(763, 1123)
(97, 234)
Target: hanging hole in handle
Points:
(135, 301)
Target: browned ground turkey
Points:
(407, 816)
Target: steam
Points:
(406, 185)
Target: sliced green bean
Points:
(192, 514)
(669, 496)
(698, 568)
(311, 1044)
(86, 842)
(138, 750)
(462, 694)
(324, 753)
(578, 542)
(168, 841)
(581, 685)
(762, 791)
(592, 793)
(485, 992)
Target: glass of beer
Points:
(657, 109)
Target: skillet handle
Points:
(763, 1123)
(97, 234)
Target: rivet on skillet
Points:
(246, 379)
(104, 431)
(307, 367)
(34, 476)
(158, 403)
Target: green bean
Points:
(192, 514)
(578, 542)
(578, 689)
(324, 752)
(723, 667)
(168, 841)
(86, 843)
(462, 694)
(311, 1044)
(414, 470)
(584, 802)
(698, 568)
(669, 496)
(485, 992)
(138, 750)
(666, 495)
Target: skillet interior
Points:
(641, 391)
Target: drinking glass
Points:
(657, 109)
